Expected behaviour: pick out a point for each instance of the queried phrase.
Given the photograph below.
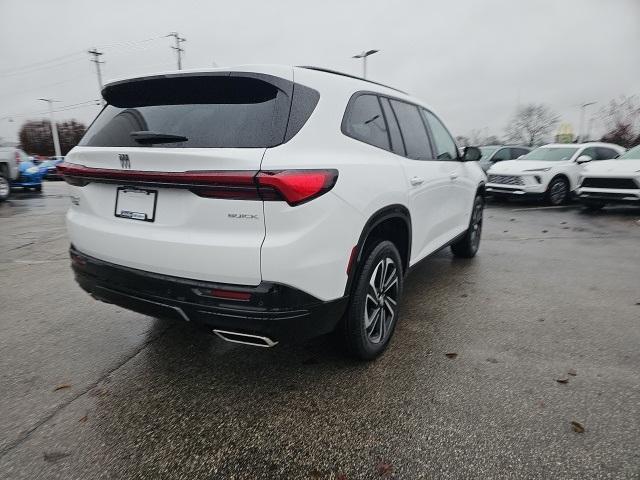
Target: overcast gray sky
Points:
(472, 60)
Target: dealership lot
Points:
(468, 387)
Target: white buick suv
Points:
(550, 172)
(268, 203)
(612, 182)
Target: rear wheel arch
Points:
(391, 223)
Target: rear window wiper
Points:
(147, 137)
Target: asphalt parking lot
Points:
(468, 389)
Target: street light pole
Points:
(54, 128)
(363, 55)
(582, 110)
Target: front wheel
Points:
(557, 192)
(373, 311)
(468, 245)
(5, 188)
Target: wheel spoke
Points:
(370, 320)
(382, 321)
(390, 309)
(393, 281)
(373, 281)
(383, 274)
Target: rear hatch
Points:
(164, 176)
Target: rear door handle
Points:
(415, 181)
(453, 175)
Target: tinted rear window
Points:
(210, 111)
(413, 130)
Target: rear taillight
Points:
(293, 186)
(297, 186)
(18, 158)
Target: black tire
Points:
(5, 187)
(468, 245)
(37, 188)
(557, 192)
(592, 206)
(380, 264)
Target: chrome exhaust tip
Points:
(245, 338)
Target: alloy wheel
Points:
(558, 192)
(381, 301)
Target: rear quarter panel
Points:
(309, 246)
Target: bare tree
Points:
(531, 124)
(462, 141)
(621, 118)
(35, 136)
(477, 137)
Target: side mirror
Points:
(521, 156)
(471, 154)
(584, 159)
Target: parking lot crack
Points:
(24, 436)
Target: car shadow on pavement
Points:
(248, 405)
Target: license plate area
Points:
(136, 204)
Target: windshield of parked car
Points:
(633, 154)
(551, 154)
(487, 152)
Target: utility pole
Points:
(96, 59)
(582, 109)
(54, 128)
(363, 56)
(177, 47)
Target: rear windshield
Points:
(191, 112)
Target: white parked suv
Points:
(550, 172)
(612, 181)
(268, 203)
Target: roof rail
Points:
(335, 72)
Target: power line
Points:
(63, 108)
(39, 63)
(69, 58)
(177, 47)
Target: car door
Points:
(462, 187)
(428, 182)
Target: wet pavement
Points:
(93, 391)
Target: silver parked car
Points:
(496, 153)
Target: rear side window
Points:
(364, 121)
(192, 112)
(446, 148)
(397, 145)
(413, 130)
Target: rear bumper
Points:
(278, 312)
